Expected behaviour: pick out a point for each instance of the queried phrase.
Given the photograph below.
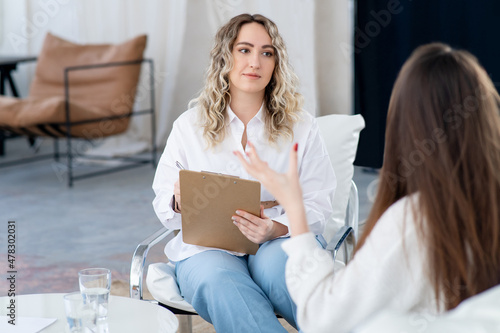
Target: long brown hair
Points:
(443, 142)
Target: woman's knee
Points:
(269, 262)
(207, 272)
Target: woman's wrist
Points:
(298, 221)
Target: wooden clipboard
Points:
(208, 202)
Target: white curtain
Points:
(180, 35)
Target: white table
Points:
(124, 314)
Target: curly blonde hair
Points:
(282, 101)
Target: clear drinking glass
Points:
(80, 316)
(95, 284)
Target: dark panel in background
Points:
(386, 32)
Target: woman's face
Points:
(253, 60)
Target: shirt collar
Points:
(260, 114)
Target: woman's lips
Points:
(252, 76)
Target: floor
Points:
(97, 223)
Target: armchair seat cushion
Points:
(31, 114)
(162, 284)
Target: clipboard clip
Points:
(220, 174)
(181, 167)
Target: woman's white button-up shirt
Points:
(187, 145)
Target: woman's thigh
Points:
(221, 290)
(208, 268)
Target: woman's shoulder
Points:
(401, 213)
(305, 116)
(305, 127)
(402, 205)
(305, 119)
(188, 117)
(405, 202)
(396, 227)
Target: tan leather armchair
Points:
(80, 92)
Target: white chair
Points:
(341, 134)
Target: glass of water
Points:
(80, 316)
(95, 284)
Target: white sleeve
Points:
(381, 274)
(317, 180)
(165, 177)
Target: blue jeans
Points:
(239, 294)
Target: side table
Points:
(125, 315)
(7, 65)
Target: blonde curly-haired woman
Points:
(250, 95)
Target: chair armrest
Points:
(139, 259)
(348, 232)
(344, 235)
(352, 211)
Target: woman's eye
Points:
(244, 50)
(268, 54)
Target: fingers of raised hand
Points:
(292, 166)
(241, 158)
(254, 157)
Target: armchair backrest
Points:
(341, 135)
(100, 88)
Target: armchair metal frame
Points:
(345, 236)
(66, 133)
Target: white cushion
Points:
(162, 284)
(341, 136)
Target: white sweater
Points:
(388, 272)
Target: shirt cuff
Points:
(169, 213)
(300, 243)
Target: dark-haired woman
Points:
(432, 238)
